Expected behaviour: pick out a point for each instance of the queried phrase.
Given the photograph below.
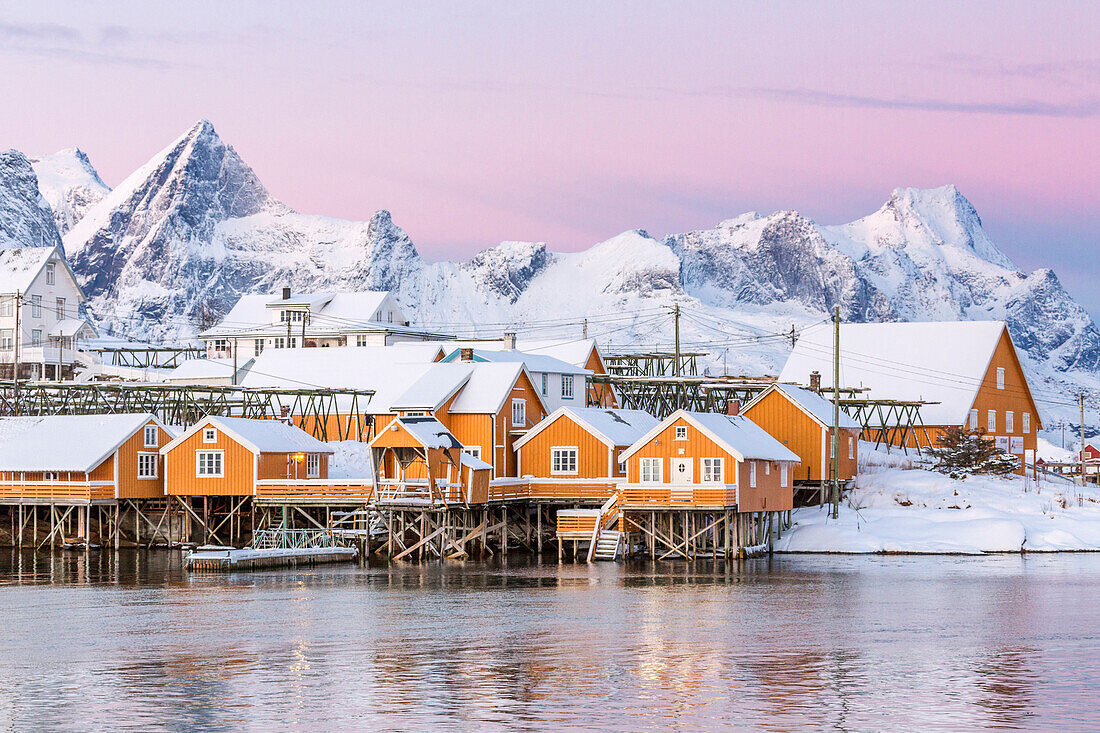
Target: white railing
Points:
(293, 539)
(608, 510)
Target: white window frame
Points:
(209, 435)
(655, 468)
(313, 465)
(712, 470)
(974, 419)
(36, 306)
(7, 339)
(567, 386)
(51, 476)
(991, 421)
(258, 346)
(144, 460)
(7, 308)
(545, 384)
(280, 342)
(681, 432)
(472, 450)
(519, 413)
(60, 309)
(1000, 377)
(851, 448)
(782, 474)
(36, 337)
(151, 430)
(752, 474)
(51, 273)
(564, 460)
(1010, 421)
(199, 463)
(1025, 419)
(361, 339)
(292, 342)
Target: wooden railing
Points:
(576, 523)
(58, 490)
(672, 495)
(609, 514)
(357, 489)
(551, 488)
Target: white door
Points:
(681, 471)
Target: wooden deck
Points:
(57, 492)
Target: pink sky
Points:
(570, 122)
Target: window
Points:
(681, 432)
(60, 309)
(563, 460)
(208, 463)
(361, 340)
(567, 386)
(50, 273)
(414, 413)
(147, 465)
(545, 383)
(472, 450)
(280, 342)
(1000, 377)
(36, 337)
(650, 470)
(713, 472)
(6, 308)
(209, 435)
(973, 419)
(151, 436)
(258, 346)
(768, 468)
(519, 413)
(991, 421)
(752, 474)
(291, 316)
(36, 306)
(292, 342)
(851, 448)
(1025, 419)
(6, 339)
(389, 316)
(1009, 420)
(313, 465)
(50, 476)
(221, 344)
(782, 474)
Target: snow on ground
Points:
(350, 459)
(896, 506)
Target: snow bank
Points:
(350, 459)
(919, 511)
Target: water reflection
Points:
(128, 640)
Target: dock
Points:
(271, 549)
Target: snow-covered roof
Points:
(937, 361)
(490, 384)
(65, 442)
(812, 403)
(535, 362)
(574, 351)
(260, 436)
(739, 435)
(19, 266)
(70, 327)
(435, 386)
(315, 301)
(207, 369)
(613, 427)
(430, 432)
(475, 463)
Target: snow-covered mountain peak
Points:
(70, 184)
(26, 219)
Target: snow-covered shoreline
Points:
(897, 508)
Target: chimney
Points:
(815, 380)
(733, 408)
(466, 354)
(509, 339)
(286, 293)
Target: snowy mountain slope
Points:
(69, 183)
(25, 216)
(195, 226)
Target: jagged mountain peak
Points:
(70, 183)
(26, 219)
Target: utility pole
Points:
(233, 380)
(584, 333)
(835, 469)
(793, 337)
(1081, 403)
(676, 327)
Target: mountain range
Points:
(195, 227)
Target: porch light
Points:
(299, 457)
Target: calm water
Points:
(849, 643)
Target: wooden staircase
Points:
(607, 545)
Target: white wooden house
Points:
(40, 322)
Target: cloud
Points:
(95, 57)
(1088, 107)
(114, 35)
(41, 32)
